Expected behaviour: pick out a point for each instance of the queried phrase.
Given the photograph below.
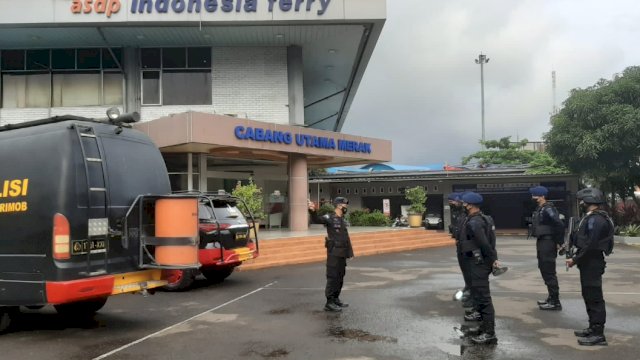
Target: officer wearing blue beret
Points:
(478, 246)
(549, 231)
(458, 217)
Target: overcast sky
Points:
(421, 89)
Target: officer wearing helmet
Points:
(478, 246)
(593, 239)
(456, 208)
(339, 249)
(549, 230)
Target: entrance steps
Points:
(309, 249)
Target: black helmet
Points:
(340, 200)
(591, 196)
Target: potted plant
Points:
(251, 194)
(417, 197)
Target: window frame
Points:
(51, 72)
(161, 70)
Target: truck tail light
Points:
(61, 235)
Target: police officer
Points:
(339, 249)
(549, 230)
(458, 216)
(593, 239)
(478, 244)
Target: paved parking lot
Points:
(401, 308)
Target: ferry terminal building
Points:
(227, 89)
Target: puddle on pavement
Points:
(267, 354)
(359, 335)
(280, 311)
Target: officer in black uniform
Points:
(339, 249)
(458, 216)
(478, 244)
(593, 239)
(549, 230)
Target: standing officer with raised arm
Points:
(549, 230)
(339, 249)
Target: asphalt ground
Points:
(401, 308)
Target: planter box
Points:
(629, 240)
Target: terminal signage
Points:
(109, 7)
(300, 140)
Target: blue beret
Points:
(454, 196)
(539, 191)
(472, 198)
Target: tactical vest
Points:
(467, 243)
(538, 228)
(605, 244)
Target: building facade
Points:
(505, 191)
(228, 89)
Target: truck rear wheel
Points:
(179, 280)
(6, 315)
(81, 308)
(217, 275)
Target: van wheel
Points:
(81, 308)
(217, 275)
(179, 280)
(6, 315)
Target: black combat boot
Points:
(332, 306)
(552, 304)
(340, 303)
(542, 302)
(474, 316)
(487, 334)
(584, 332)
(596, 337)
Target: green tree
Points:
(417, 196)
(251, 194)
(595, 134)
(505, 152)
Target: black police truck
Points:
(78, 214)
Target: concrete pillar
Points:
(295, 74)
(131, 72)
(298, 192)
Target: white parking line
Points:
(180, 323)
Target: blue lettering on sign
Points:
(227, 6)
(301, 140)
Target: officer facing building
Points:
(592, 240)
(478, 242)
(339, 249)
(549, 230)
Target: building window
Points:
(381, 190)
(339, 191)
(390, 190)
(347, 191)
(176, 76)
(61, 78)
(355, 191)
(373, 190)
(435, 187)
(364, 191)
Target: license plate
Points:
(241, 236)
(79, 247)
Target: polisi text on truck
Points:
(107, 7)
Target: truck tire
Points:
(179, 280)
(81, 309)
(6, 315)
(217, 275)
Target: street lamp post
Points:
(482, 59)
